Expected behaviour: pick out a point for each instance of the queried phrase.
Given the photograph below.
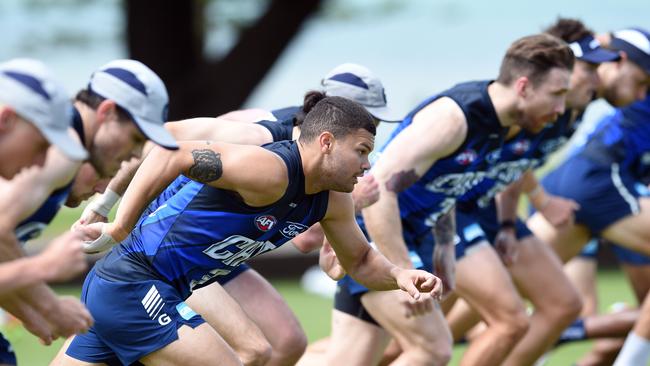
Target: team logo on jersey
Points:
(293, 229)
(520, 147)
(466, 157)
(493, 156)
(265, 222)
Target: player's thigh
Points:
(227, 317)
(581, 272)
(632, 231)
(387, 308)
(482, 280)
(566, 241)
(539, 275)
(195, 346)
(262, 302)
(61, 359)
(354, 341)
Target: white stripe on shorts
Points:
(622, 190)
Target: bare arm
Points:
(216, 164)
(217, 129)
(404, 161)
(25, 194)
(363, 263)
(444, 253)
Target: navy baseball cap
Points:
(588, 49)
(635, 42)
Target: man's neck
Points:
(504, 100)
(310, 168)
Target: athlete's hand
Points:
(34, 322)
(412, 307)
(365, 193)
(97, 237)
(97, 210)
(559, 211)
(415, 282)
(444, 262)
(63, 258)
(329, 263)
(70, 317)
(506, 245)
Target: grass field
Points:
(314, 314)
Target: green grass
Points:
(314, 314)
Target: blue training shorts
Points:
(604, 192)
(132, 320)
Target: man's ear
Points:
(326, 141)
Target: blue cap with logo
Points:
(635, 42)
(27, 86)
(140, 92)
(588, 49)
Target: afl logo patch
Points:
(520, 147)
(265, 222)
(466, 157)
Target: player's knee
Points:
(429, 352)
(569, 308)
(260, 354)
(432, 356)
(515, 327)
(290, 345)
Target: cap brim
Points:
(600, 55)
(385, 114)
(157, 133)
(67, 144)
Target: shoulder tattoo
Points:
(207, 166)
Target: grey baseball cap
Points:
(27, 86)
(359, 84)
(140, 92)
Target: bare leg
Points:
(425, 339)
(556, 306)
(482, 280)
(355, 341)
(271, 313)
(226, 316)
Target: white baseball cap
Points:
(140, 92)
(636, 44)
(27, 86)
(357, 83)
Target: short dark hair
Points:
(93, 100)
(337, 115)
(569, 30)
(534, 56)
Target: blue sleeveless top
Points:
(201, 232)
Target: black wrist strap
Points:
(507, 224)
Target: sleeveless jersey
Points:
(435, 193)
(623, 137)
(201, 232)
(282, 128)
(525, 150)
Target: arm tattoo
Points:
(401, 180)
(207, 166)
(445, 229)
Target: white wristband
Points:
(104, 242)
(104, 203)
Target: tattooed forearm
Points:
(207, 166)
(445, 229)
(401, 180)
